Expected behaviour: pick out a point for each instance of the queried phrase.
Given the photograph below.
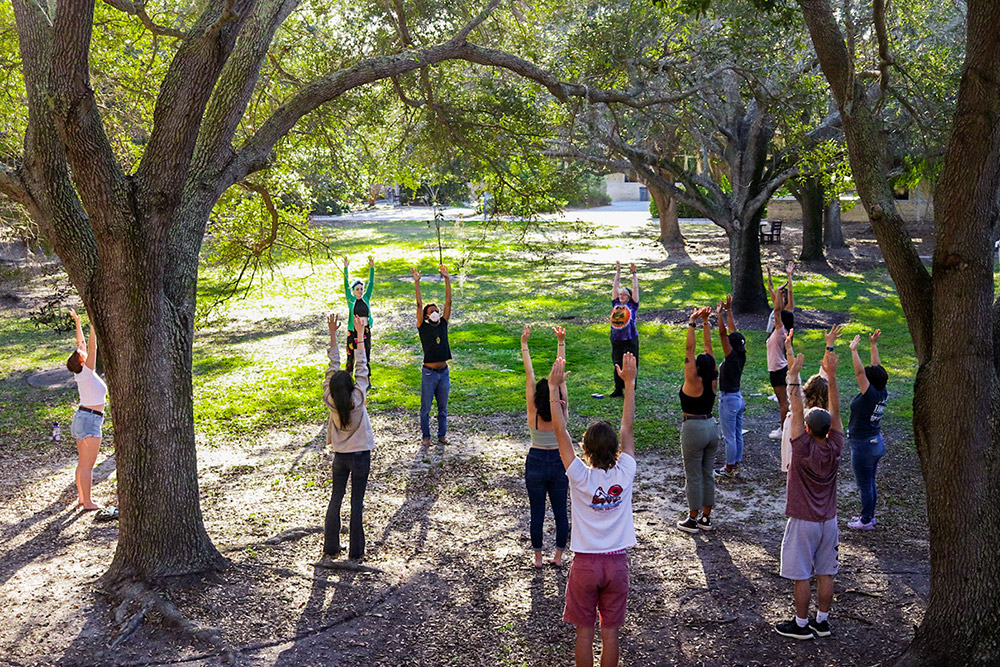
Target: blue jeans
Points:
(544, 474)
(731, 409)
(435, 384)
(355, 465)
(865, 454)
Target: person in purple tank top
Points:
(810, 544)
(624, 334)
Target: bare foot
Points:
(426, 442)
(557, 559)
(90, 507)
(538, 559)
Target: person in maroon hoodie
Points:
(809, 546)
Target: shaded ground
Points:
(447, 578)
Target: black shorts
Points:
(778, 377)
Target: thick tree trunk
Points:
(745, 278)
(670, 230)
(811, 198)
(833, 232)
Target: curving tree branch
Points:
(137, 8)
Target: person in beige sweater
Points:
(349, 432)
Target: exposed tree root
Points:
(293, 534)
(138, 601)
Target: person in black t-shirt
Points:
(731, 403)
(435, 382)
(864, 431)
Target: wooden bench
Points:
(772, 234)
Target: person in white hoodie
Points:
(601, 497)
(349, 432)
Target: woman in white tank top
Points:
(89, 416)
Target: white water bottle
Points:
(56, 432)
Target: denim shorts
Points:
(86, 425)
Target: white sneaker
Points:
(775, 434)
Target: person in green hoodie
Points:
(359, 298)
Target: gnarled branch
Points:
(137, 8)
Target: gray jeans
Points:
(699, 440)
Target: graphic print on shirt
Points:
(876, 418)
(620, 316)
(604, 502)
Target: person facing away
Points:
(601, 500)
(624, 334)
(815, 393)
(810, 543)
(359, 300)
(349, 433)
(89, 416)
(435, 380)
(864, 430)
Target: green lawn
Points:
(259, 360)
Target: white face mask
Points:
(434, 316)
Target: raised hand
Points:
(560, 334)
(415, 274)
(618, 267)
(444, 271)
(719, 310)
(628, 369)
(832, 335)
(789, 352)
(360, 323)
(854, 343)
(347, 262)
(873, 338)
(789, 269)
(706, 312)
(631, 267)
(558, 374)
(695, 314)
(525, 334)
(795, 364)
(829, 364)
(333, 322)
(371, 262)
(729, 302)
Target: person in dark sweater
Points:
(865, 429)
(624, 334)
(731, 403)
(435, 382)
(699, 432)
(809, 546)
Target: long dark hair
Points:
(341, 390)
(542, 406)
(704, 365)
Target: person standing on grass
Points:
(89, 417)
(349, 433)
(731, 403)
(865, 429)
(544, 473)
(809, 546)
(601, 497)
(359, 300)
(624, 334)
(435, 382)
(699, 432)
(780, 322)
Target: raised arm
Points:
(561, 354)
(628, 372)
(91, 362)
(635, 283)
(690, 373)
(729, 313)
(790, 301)
(706, 333)
(420, 303)
(793, 377)
(873, 339)
(776, 303)
(333, 324)
(529, 374)
(557, 378)
(361, 371)
(616, 286)
(727, 348)
(830, 360)
(80, 340)
(367, 296)
(859, 368)
(347, 283)
(446, 314)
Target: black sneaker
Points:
(616, 394)
(688, 525)
(705, 523)
(820, 629)
(792, 629)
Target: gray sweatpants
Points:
(699, 440)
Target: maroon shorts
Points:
(597, 582)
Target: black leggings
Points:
(356, 466)
(618, 350)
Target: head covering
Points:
(818, 420)
(738, 341)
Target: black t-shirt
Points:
(731, 371)
(866, 413)
(434, 340)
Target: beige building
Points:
(624, 187)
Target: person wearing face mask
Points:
(435, 383)
(359, 299)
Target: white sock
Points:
(821, 616)
(801, 622)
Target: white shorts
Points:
(810, 547)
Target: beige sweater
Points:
(357, 436)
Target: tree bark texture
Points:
(833, 230)
(953, 321)
(670, 230)
(745, 274)
(811, 198)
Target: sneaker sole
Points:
(689, 530)
(701, 527)
(794, 636)
(820, 634)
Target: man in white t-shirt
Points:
(601, 498)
